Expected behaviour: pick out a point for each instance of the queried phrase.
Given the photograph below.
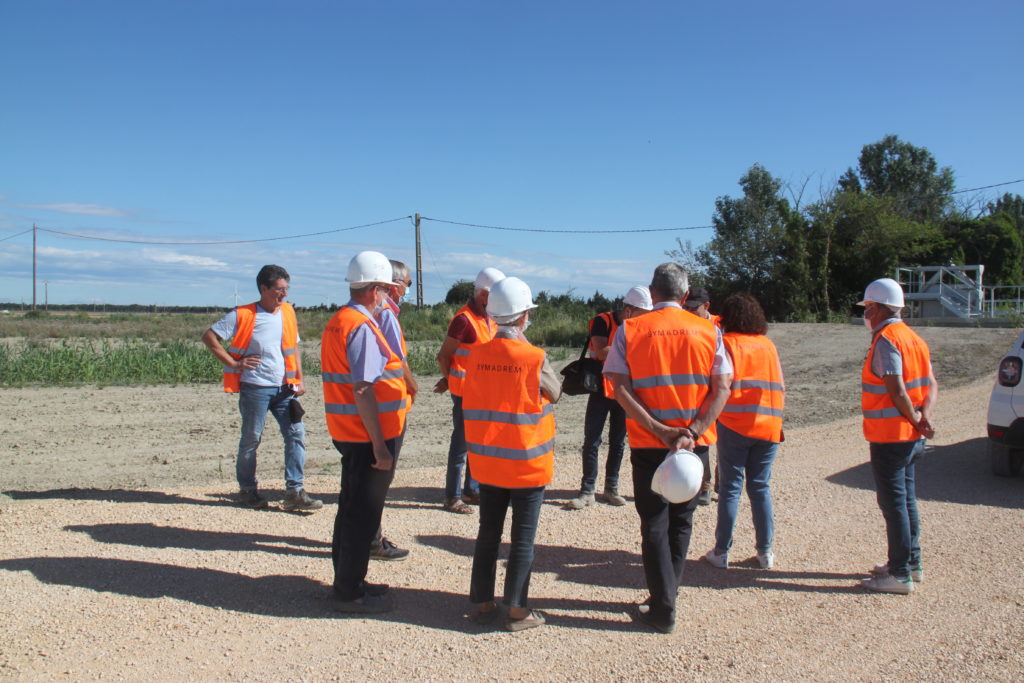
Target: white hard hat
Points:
(486, 278)
(678, 477)
(639, 297)
(368, 267)
(885, 291)
(509, 298)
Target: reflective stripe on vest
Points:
(343, 420)
(485, 329)
(670, 354)
(883, 422)
(510, 426)
(245, 323)
(754, 407)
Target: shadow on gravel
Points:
(621, 569)
(150, 496)
(297, 597)
(957, 473)
(154, 536)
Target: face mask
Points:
(527, 325)
(867, 323)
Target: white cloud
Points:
(80, 254)
(173, 257)
(82, 209)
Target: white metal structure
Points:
(943, 291)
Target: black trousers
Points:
(360, 506)
(665, 530)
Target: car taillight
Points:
(996, 433)
(1009, 371)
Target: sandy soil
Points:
(120, 556)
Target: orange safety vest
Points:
(343, 420)
(609, 319)
(510, 425)
(716, 320)
(883, 422)
(244, 325)
(754, 408)
(670, 353)
(485, 329)
(392, 306)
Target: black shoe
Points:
(644, 616)
(368, 604)
(386, 550)
(252, 499)
(297, 500)
(374, 589)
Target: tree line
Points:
(811, 262)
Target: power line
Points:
(10, 237)
(986, 187)
(578, 232)
(196, 243)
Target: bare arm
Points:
(366, 404)
(599, 346)
(550, 386)
(299, 387)
(444, 361)
(212, 342)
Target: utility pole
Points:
(33, 266)
(419, 265)
(46, 294)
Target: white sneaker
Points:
(916, 573)
(766, 560)
(716, 560)
(889, 584)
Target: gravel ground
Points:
(144, 570)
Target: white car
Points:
(1006, 414)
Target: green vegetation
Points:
(65, 348)
(897, 209)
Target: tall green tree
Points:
(909, 176)
(746, 251)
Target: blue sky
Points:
(231, 120)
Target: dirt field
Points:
(120, 556)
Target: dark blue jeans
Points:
(457, 460)
(253, 403)
(599, 408)
(494, 503)
(360, 506)
(665, 530)
(893, 465)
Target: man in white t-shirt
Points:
(263, 365)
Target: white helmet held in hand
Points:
(369, 267)
(509, 298)
(639, 297)
(486, 278)
(884, 291)
(678, 477)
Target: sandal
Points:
(457, 506)
(531, 620)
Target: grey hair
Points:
(398, 270)
(669, 282)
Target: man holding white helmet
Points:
(898, 394)
(602, 406)
(671, 375)
(366, 400)
(469, 327)
(510, 433)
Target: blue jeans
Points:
(600, 407)
(253, 403)
(740, 455)
(457, 463)
(494, 503)
(893, 465)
